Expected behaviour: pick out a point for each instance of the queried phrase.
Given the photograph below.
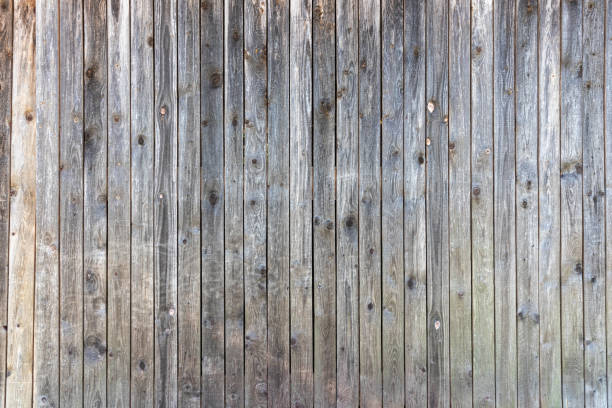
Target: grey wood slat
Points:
(483, 305)
(165, 223)
(437, 233)
(95, 202)
(347, 205)
(370, 291)
(46, 374)
(212, 202)
(71, 202)
(234, 210)
(300, 203)
(608, 188)
(594, 205)
(189, 255)
(324, 205)
(278, 204)
(572, 333)
(392, 203)
(142, 201)
(526, 89)
(6, 61)
(549, 202)
(255, 185)
(459, 148)
(504, 210)
(119, 251)
(415, 261)
(22, 238)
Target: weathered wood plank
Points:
(95, 201)
(142, 198)
(595, 391)
(46, 375)
(504, 210)
(20, 335)
(300, 199)
(392, 204)
(459, 148)
(608, 190)
(324, 205)
(255, 185)
(528, 318)
(572, 334)
(71, 202)
(189, 286)
(549, 202)
(483, 305)
(278, 204)
(347, 205)
(165, 202)
(415, 261)
(436, 94)
(234, 208)
(370, 291)
(212, 202)
(6, 61)
(119, 255)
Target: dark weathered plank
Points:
(595, 391)
(370, 293)
(415, 261)
(71, 202)
(20, 336)
(528, 319)
(6, 60)
(118, 272)
(572, 334)
(46, 374)
(142, 156)
(483, 305)
(94, 205)
(165, 222)
(189, 286)
(234, 209)
(504, 158)
(459, 147)
(549, 202)
(392, 204)
(255, 273)
(324, 206)
(300, 199)
(608, 190)
(347, 205)
(278, 204)
(212, 203)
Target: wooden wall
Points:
(305, 203)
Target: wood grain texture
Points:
(95, 155)
(212, 202)
(415, 244)
(595, 387)
(436, 94)
(572, 323)
(278, 204)
(347, 205)
(504, 210)
(608, 190)
(324, 208)
(528, 318)
(71, 202)
(189, 246)
(22, 208)
(142, 199)
(459, 172)
(46, 375)
(165, 222)
(549, 202)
